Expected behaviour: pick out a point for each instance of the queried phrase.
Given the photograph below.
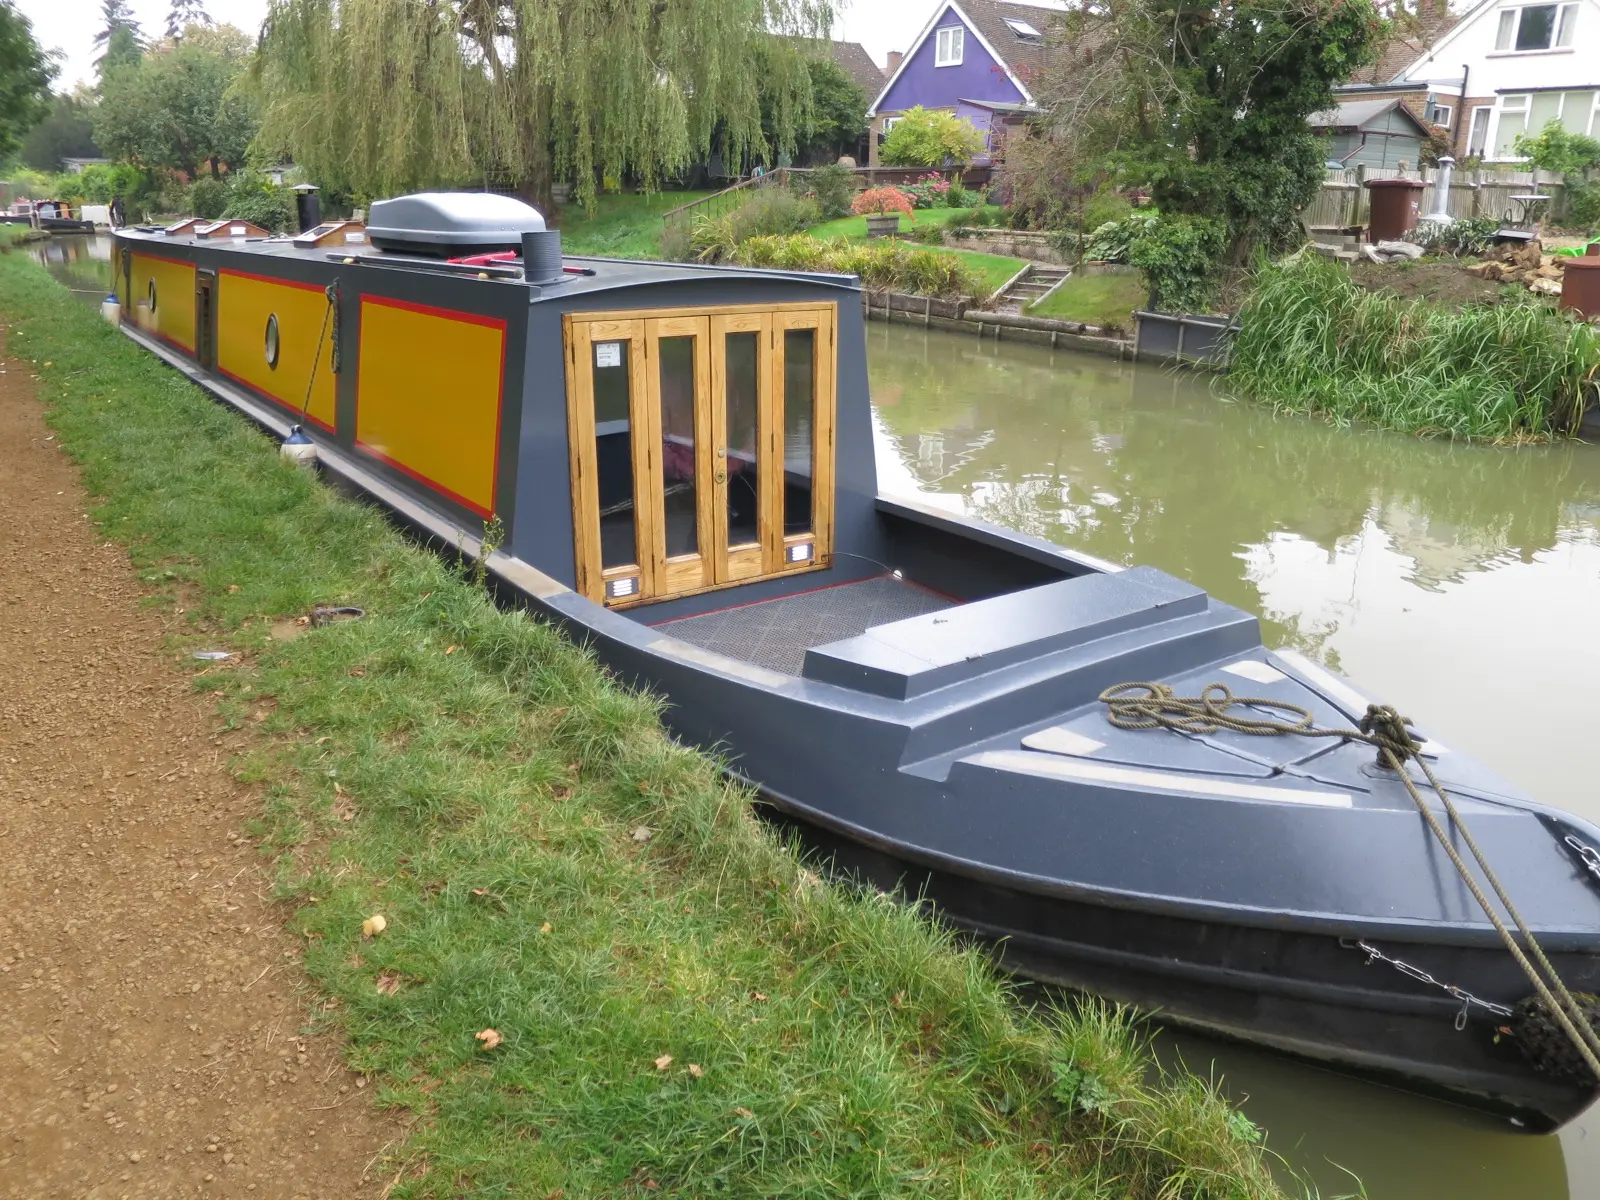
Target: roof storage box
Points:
(445, 224)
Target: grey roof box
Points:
(451, 223)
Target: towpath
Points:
(151, 1007)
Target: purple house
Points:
(975, 59)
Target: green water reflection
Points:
(1463, 583)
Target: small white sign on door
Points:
(608, 354)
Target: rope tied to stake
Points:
(1157, 706)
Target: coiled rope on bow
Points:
(1157, 706)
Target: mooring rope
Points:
(332, 311)
(1157, 706)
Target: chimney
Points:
(894, 62)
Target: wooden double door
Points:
(702, 447)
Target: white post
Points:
(1441, 191)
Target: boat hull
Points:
(1315, 996)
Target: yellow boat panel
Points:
(245, 304)
(429, 394)
(170, 283)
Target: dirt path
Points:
(150, 1022)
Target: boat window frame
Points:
(716, 565)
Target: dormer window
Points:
(950, 46)
(1024, 31)
(1536, 27)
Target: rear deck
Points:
(777, 633)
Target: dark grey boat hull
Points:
(1314, 996)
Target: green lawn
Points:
(624, 225)
(1104, 300)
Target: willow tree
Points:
(380, 96)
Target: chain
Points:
(1467, 998)
(1588, 854)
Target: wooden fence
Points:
(1343, 202)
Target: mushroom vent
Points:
(451, 224)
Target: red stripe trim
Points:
(182, 262)
(433, 485)
(449, 314)
(173, 342)
(293, 283)
(279, 400)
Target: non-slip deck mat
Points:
(777, 633)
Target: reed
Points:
(1311, 341)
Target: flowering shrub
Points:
(882, 200)
(931, 191)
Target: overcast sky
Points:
(69, 25)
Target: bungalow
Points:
(975, 58)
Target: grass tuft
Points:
(1311, 340)
(683, 1008)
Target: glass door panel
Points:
(605, 361)
(740, 389)
(679, 417)
(803, 493)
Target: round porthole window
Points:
(272, 341)
(152, 295)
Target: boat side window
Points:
(799, 413)
(678, 468)
(613, 432)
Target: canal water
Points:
(1460, 583)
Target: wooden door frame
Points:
(718, 566)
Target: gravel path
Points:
(151, 1007)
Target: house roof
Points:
(853, 59)
(995, 24)
(1414, 36)
(1355, 114)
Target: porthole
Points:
(272, 341)
(152, 295)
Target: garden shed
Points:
(1371, 133)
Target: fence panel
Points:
(1342, 201)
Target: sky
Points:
(69, 25)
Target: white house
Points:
(1508, 67)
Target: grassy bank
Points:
(624, 225)
(1104, 300)
(681, 1008)
(1311, 340)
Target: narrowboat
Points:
(677, 463)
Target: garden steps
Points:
(1039, 279)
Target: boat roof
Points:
(586, 275)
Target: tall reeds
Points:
(1312, 341)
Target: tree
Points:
(185, 108)
(838, 113)
(184, 13)
(930, 138)
(25, 75)
(1206, 103)
(377, 97)
(119, 42)
(65, 132)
